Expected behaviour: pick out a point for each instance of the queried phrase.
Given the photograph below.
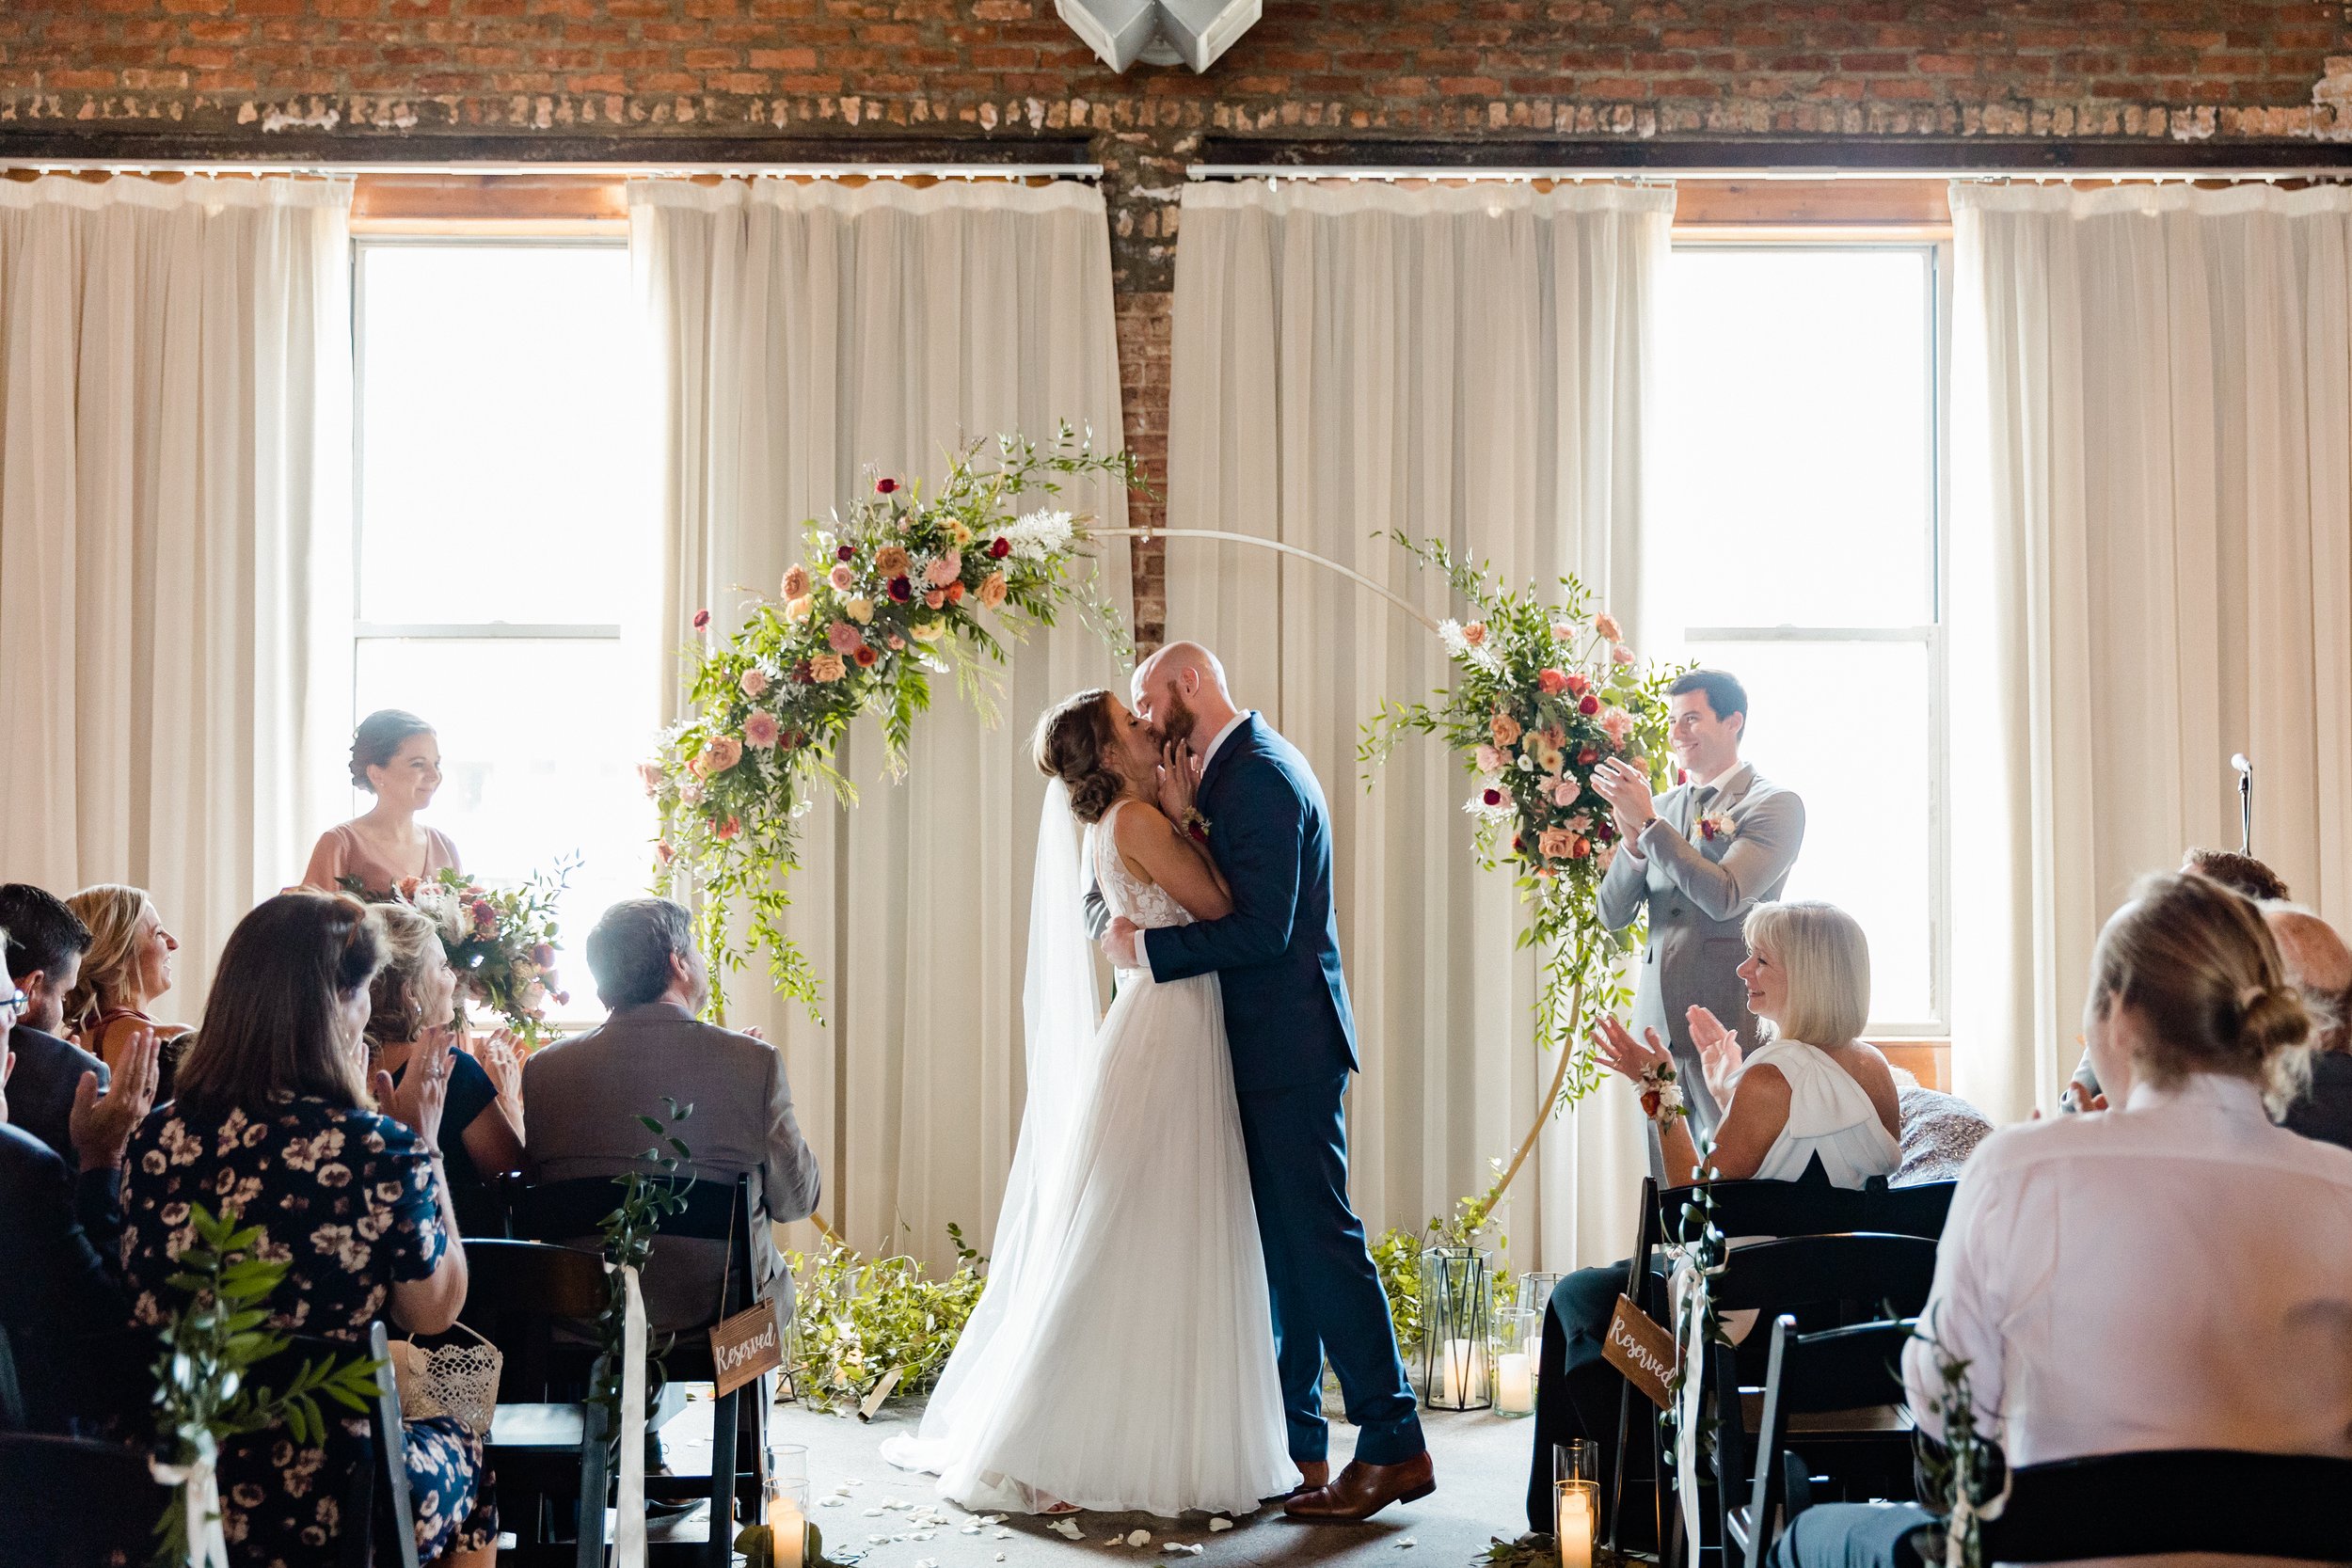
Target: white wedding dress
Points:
(1121, 1357)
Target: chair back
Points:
(2268, 1505)
(521, 1296)
(70, 1503)
(714, 1212)
(379, 1519)
(1811, 1374)
(1919, 1210)
(1809, 1206)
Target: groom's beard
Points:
(1176, 723)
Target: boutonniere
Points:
(1714, 825)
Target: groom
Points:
(1258, 808)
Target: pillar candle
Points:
(1575, 1525)
(789, 1529)
(1515, 1388)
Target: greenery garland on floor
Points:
(865, 1330)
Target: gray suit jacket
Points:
(1698, 890)
(582, 1099)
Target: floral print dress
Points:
(347, 1198)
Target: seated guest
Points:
(587, 1092)
(59, 1233)
(2173, 1273)
(127, 967)
(1814, 1091)
(1940, 1132)
(273, 1123)
(45, 945)
(2320, 966)
(413, 1001)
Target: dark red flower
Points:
(864, 654)
(1492, 797)
(1587, 755)
(1518, 843)
(800, 674)
(845, 552)
(999, 548)
(901, 588)
(1590, 705)
(789, 740)
(701, 619)
(885, 486)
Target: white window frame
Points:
(1929, 635)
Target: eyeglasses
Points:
(16, 1001)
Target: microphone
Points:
(2237, 760)
(2245, 802)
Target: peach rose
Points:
(1475, 633)
(929, 631)
(729, 828)
(755, 683)
(795, 581)
(663, 853)
(891, 562)
(826, 667)
(649, 774)
(936, 600)
(1555, 842)
(1606, 625)
(722, 751)
(992, 589)
(1550, 682)
(1504, 728)
(798, 610)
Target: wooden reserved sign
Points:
(1644, 1351)
(744, 1346)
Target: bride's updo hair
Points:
(1076, 744)
(2200, 964)
(379, 738)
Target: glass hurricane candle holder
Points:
(1456, 1325)
(1518, 1335)
(1535, 1292)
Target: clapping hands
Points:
(1719, 1052)
(1623, 1054)
(418, 1098)
(102, 1122)
(1625, 788)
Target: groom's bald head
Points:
(1180, 689)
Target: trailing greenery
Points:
(1965, 1478)
(890, 593)
(212, 1343)
(859, 1321)
(628, 1234)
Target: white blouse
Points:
(1829, 1114)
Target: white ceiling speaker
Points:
(1159, 32)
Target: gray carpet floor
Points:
(1480, 1459)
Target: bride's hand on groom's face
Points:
(1179, 779)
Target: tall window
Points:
(504, 550)
(1800, 499)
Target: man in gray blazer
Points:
(1699, 857)
(582, 1099)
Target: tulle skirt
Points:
(1121, 1357)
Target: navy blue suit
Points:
(1277, 958)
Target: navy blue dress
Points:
(348, 1199)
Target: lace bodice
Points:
(1147, 904)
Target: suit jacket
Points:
(60, 1234)
(1698, 890)
(1278, 955)
(582, 1099)
(41, 1090)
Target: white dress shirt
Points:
(1237, 722)
(2176, 1273)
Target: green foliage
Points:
(1965, 1475)
(889, 595)
(1526, 671)
(858, 1320)
(628, 1234)
(1396, 1255)
(500, 942)
(211, 1342)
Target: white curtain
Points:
(2152, 570)
(1470, 364)
(809, 337)
(174, 577)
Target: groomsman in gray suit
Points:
(1699, 857)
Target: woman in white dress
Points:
(1121, 1357)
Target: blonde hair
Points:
(110, 967)
(1827, 958)
(2199, 964)
(410, 939)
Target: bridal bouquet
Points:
(502, 942)
(900, 588)
(1544, 691)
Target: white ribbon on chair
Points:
(629, 1537)
(1688, 1290)
(199, 1503)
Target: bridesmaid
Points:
(395, 758)
(128, 966)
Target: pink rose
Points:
(935, 598)
(1617, 723)
(1488, 759)
(1577, 683)
(722, 752)
(663, 853)
(1563, 632)
(690, 792)
(897, 643)
(1606, 625)
(843, 638)
(841, 577)
(796, 581)
(761, 729)
(1475, 633)
(1550, 682)
(940, 572)
(649, 774)
(755, 683)
(543, 955)
(1620, 654)
(1564, 794)
(992, 589)
(728, 829)
(1555, 842)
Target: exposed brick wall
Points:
(1143, 352)
(430, 79)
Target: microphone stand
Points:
(2245, 805)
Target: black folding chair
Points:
(379, 1522)
(2268, 1505)
(1821, 1282)
(1808, 1206)
(1834, 1386)
(538, 1303)
(67, 1502)
(1919, 1210)
(717, 1211)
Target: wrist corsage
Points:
(1662, 1094)
(1195, 825)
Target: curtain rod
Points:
(1653, 175)
(635, 172)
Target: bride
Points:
(1121, 1357)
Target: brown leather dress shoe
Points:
(1363, 1490)
(1313, 1476)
